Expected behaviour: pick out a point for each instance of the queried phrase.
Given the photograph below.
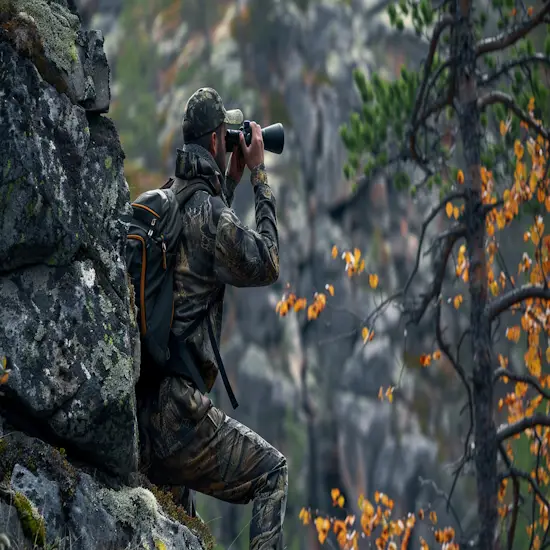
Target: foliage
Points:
(466, 124)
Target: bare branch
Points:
(446, 21)
(524, 475)
(515, 510)
(506, 39)
(433, 213)
(462, 375)
(526, 378)
(515, 296)
(440, 266)
(510, 430)
(416, 121)
(500, 97)
(487, 79)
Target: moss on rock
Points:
(31, 521)
(178, 513)
(56, 26)
(35, 455)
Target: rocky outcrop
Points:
(46, 500)
(69, 453)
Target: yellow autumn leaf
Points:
(518, 149)
(460, 177)
(449, 209)
(334, 493)
(4, 362)
(373, 280)
(341, 501)
(457, 300)
(455, 213)
(334, 251)
(329, 289)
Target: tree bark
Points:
(482, 354)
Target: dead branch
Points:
(515, 296)
(506, 39)
(446, 21)
(433, 213)
(500, 97)
(440, 267)
(443, 346)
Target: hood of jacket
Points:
(193, 160)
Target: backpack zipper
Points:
(163, 245)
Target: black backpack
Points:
(152, 243)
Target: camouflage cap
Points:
(204, 112)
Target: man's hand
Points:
(253, 153)
(236, 164)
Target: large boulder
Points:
(66, 323)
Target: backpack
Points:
(153, 240)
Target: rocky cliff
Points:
(68, 340)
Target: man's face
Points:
(220, 150)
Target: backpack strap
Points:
(182, 196)
(194, 185)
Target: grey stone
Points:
(65, 317)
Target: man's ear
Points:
(214, 144)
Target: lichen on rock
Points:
(31, 520)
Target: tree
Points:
(451, 126)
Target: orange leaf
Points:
(425, 360)
(436, 355)
(373, 280)
(334, 252)
(460, 177)
(4, 378)
(457, 300)
(449, 209)
(329, 289)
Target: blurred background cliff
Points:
(309, 387)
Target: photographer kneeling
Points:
(190, 442)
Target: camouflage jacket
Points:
(216, 249)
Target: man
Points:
(190, 442)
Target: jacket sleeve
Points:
(244, 257)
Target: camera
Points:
(273, 137)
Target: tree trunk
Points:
(470, 128)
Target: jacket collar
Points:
(195, 161)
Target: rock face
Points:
(49, 501)
(69, 452)
(64, 302)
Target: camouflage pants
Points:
(228, 461)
